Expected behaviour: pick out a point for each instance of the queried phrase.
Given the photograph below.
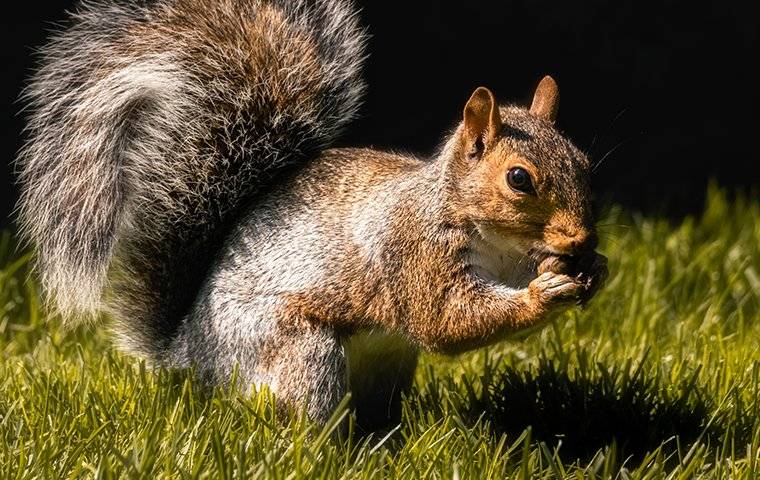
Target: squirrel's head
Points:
(518, 180)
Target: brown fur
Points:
(424, 288)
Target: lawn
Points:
(658, 377)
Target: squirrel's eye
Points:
(519, 179)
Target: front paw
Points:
(552, 290)
(588, 270)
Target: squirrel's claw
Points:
(594, 277)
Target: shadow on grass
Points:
(586, 408)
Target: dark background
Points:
(664, 92)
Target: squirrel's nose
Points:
(567, 234)
(574, 242)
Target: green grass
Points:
(658, 378)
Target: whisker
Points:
(610, 225)
(609, 128)
(610, 152)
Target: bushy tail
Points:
(152, 122)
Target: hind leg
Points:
(303, 365)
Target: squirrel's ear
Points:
(546, 100)
(482, 121)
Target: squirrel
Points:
(178, 178)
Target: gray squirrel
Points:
(178, 178)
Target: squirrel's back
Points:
(153, 123)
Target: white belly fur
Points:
(500, 260)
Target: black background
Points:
(664, 92)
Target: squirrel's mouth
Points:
(573, 263)
(539, 254)
(541, 250)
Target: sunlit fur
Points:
(177, 177)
